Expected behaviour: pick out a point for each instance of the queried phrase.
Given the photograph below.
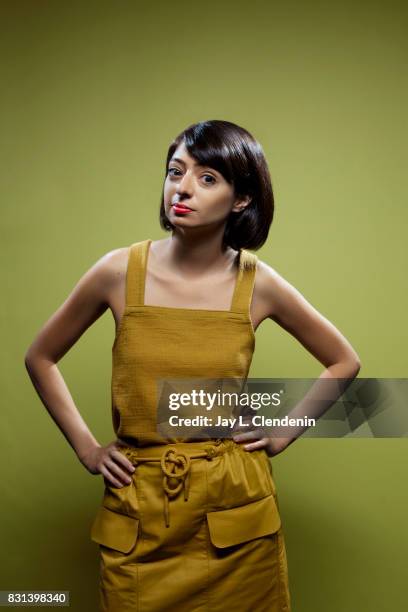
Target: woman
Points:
(189, 524)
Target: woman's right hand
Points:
(111, 463)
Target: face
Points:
(206, 193)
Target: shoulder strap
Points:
(136, 273)
(244, 287)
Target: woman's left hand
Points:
(273, 446)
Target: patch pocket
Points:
(243, 523)
(269, 471)
(115, 530)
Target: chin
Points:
(178, 218)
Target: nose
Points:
(185, 184)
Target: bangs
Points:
(205, 146)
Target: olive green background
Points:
(92, 95)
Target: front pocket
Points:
(115, 530)
(122, 500)
(243, 523)
(237, 478)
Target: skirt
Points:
(197, 530)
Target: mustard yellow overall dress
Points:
(198, 529)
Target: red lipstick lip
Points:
(181, 206)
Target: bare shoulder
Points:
(86, 302)
(274, 291)
(114, 263)
(108, 272)
(268, 280)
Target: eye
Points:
(210, 176)
(170, 169)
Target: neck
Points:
(199, 253)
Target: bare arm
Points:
(322, 339)
(286, 306)
(86, 303)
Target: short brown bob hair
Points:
(239, 157)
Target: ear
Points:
(241, 203)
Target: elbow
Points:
(347, 368)
(29, 359)
(355, 365)
(33, 359)
(357, 362)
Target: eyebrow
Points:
(180, 161)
